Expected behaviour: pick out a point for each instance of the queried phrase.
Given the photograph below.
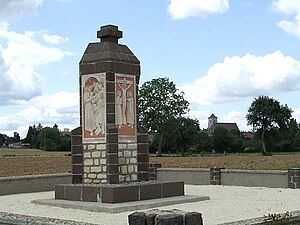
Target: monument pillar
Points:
(110, 152)
(115, 148)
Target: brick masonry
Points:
(117, 193)
(110, 152)
(215, 176)
(114, 160)
(77, 156)
(153, 170)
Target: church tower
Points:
(211, 120)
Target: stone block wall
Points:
(94, 164)
(128, 167)
(294, 178)
(165, 217)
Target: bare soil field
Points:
(19, 162)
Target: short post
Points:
(294, 178)
(215, 176)
(153, 170)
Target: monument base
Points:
(118, 193)
(121, 207)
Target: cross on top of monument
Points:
(109, 33)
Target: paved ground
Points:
(226, 204)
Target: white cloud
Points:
(13, 8)
(296, 114)
(288, 7)
(201, 116)
(248, 76)
(60, 108)
(181, 9)
(20, 57)
(54, 39)
(291, 27)
(239, 118)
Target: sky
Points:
(221, 53)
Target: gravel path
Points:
(226, 204)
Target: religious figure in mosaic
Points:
(119, 117)
(89, 110)
(94, 107)
(130, 110)
(124, 86)
(99, 108)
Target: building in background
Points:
(213, 124)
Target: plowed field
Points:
(33, 162)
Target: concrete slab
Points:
(121, 207)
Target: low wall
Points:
(36, 183)
(188, 175)
(255, 178)
(199, 176)
(249, 178)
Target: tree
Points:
(32, 135)
(3, 139)
(48, 139)
(296, 141)
(181, 134)
(222, 140)
(160, 100)
(17, 137)
(204, 142)
(266, 113)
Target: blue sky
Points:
(221, 53)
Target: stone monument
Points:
(110, 154)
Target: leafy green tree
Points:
(32, 135)
(17, 137)
(238, 141)
(181, 134)
(296, 141)
(159, 101)
(65, 143)
(29, 135)
(266, 113)
(3, 140)
(282, 139)
(222, 140)
(49, 139)
(204, 142)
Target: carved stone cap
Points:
(109, 33)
